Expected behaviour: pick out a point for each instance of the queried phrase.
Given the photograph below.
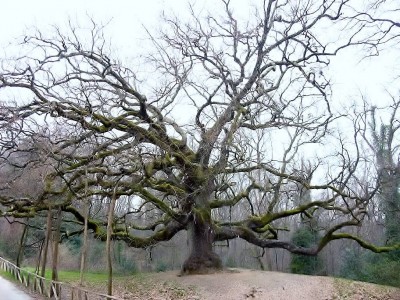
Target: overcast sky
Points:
(127, 18)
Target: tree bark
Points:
(56, 240)
(22, 241)
(37, 269)
(202, 258)
(85, 243)
(46, 242)
(108, 241)
(85, 232)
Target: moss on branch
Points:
(363, 243)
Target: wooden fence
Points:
(49, 288)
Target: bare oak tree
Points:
(222, 121)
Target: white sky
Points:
(127, 17)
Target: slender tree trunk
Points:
(46, 242)
(202, 258)
(37, 269)
(108, 242)
(56, 241)
(259, 258)
(269, 260)
(85, 243)
(22, 244)
(85, 233)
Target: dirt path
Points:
(247, 284)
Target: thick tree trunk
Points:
(202, 258)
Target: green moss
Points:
(167, 187)
(190, 156)
(361, 242)
(264, 228)
(257, 221)
(203, 214)
(149, 169)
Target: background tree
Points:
(307, 233)
(380, 132)
(179, 141)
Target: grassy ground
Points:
(73, 276)
(6, 275)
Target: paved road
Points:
(8, 291)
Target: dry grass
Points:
(146, 286)
(355, 290)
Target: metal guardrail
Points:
(51, 289)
